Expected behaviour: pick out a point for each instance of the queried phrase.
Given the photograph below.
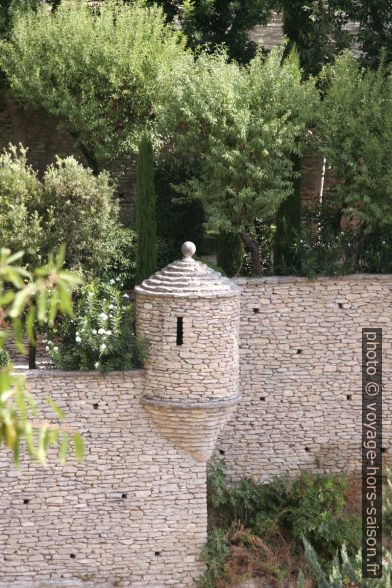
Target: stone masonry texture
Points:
(300, 374)
(133, 512)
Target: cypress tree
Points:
(146, 253)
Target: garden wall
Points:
(300, 374)
(134, 510)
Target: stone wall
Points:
(300, 374)
(134, 512)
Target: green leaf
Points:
(63, 449)
(78, 445)
(56, 409)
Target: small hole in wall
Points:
(124, 495)
(95, 406)
(299, 351)
(72, 555)
(262, 398)
(340, 304)
(256, 310)
(26, 500)
(121, 194)
(307, 449)
(349, 397)
(157, 553)
(180, 330)
(383, 449)
(222, 451)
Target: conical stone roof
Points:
(188, 278)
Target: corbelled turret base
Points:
(191, 426)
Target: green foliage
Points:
(177, 220)
(69, 206)
(21, 226)
(288, 222)
(214, 23)
(146, 224)
(242, 124)
(122, 262)
(78, 209)
(101, 334)
(263, 233)
(25, 297)
(355, 133)
(100, 72)
(316, 29)
(230, 253)
(374, 36)
(387, 505)
(214, 555)
(4, 358)
(346, 570)
(312, 505)
(319, 247)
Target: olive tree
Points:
(242, 124)
(98, 71)
(355, 135)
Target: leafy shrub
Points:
(214, 555)
(4, 358)
(101, 336)
(79, 210)
(122, 262)
(177, 220)
(70, 206)
(230, 253)
(311, 505)
(21, 227)
(263, 232)
(346, 571)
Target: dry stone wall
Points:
(300, 374)
(134, 512)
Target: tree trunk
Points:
(32, 355)
(253, 247)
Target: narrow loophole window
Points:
(180, 330)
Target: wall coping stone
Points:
(52, 373)
(302, 279)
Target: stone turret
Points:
(190, 315)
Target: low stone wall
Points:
(133, 512)
(300, 374)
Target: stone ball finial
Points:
(188, 249)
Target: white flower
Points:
(109, 332)
(103, 316)
(94, 331)
(125, 296)
(301, 241)
(112, 281)
(383, 243)
(103, 347)
(77, 333)
(55, 348)
(101, 331)
(111, 306)
(47, 348)
(96, 365)
(78, 339)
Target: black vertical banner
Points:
(371, 453)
